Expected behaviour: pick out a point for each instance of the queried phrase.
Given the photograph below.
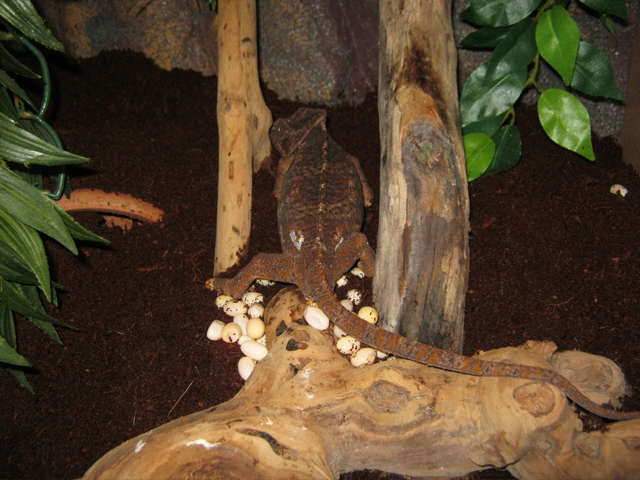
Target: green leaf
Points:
(478, 150)
(22, 379)
(6, 105)
(9, 83)
(7, 324)
(18, 145)
(27, 243)
(487, 37)
(566, 121)
(593, 74)
(488, 125)
(29, 205)
(515, 52)
(558, 39)
(22, 15)
(13, 294)
(76, 230)
(609, 25)
(47, 326)
(484, 97)
(13, 268)
(9, 62)
(498, 13)
(613, 7)
(508, 150)
(10, 356)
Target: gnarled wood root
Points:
(306, 413)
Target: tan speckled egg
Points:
(369, 314)
(364, 356)
(245, 367)
(214, 332)
(255, 328)
(234, 308)
(249, 298)
(222, 299)
(231, 332)
(255, 311)
(348, 345)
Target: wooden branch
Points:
(422, 238)
(306, 413)
(243, 127)
(90, 200)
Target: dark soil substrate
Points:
(554, 256)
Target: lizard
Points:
(322, 192)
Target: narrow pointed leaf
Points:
(13, 268)
(566, 121)
(478, 150)
(7, 324)
(558, 39)
(593, 74)
(10, 356)
(31, 293)
(18, 145)
(498, 13)
(26, 203)
(22, 379)
(10, 84)
(9, 62)
(27, 243)
(76, 230)
(613, 7)
(23, 16)
(15, 298)
(6, 105)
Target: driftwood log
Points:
(424, 211)
(243, 128)
(307, 413)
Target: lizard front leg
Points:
(272, 266)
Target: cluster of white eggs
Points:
(247, 328)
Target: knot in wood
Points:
(536, 398)
(385, 396)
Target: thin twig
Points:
(183, 394)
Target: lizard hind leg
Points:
(272, 266)
(355, 247)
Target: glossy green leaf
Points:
(10, 84)
(498, 13)
(488, 125)
(478, 151)
(486, 37)
(6, 105)
(485, 97)
(27, 243)
(13, 268)
(593, 74)
(515, 52)
(558, 39)
(76, 230)
(23, 16)
(613, 7)
(18, 145)
(10, 63)
(10, 356)
(508, 150)
(29, 205)
(566, 121)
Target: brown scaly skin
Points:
(321, 197)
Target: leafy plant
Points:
(33, 149)
(522, 34)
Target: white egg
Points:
(357, 271)
(382, 355)
(364, 356)
(369, 314)
(244, 338)
(348, 345)
(234, 308)
(338, 332)
(255, 311)
(222, 299)
(316, 318)
(255, 328)
(250, 298)
(355, 296)
(214, 332)
(253, 349)
(245, 367)
(348, 304)
(231, 332)
(342, 281)
(242, 320)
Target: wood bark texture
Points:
(422, 237)
(307, 413)
(243, 128)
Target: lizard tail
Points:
(403, 347)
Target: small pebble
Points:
(364, 356)
(231, 332)
(245, 367)
(316, 318)
(214, 332)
